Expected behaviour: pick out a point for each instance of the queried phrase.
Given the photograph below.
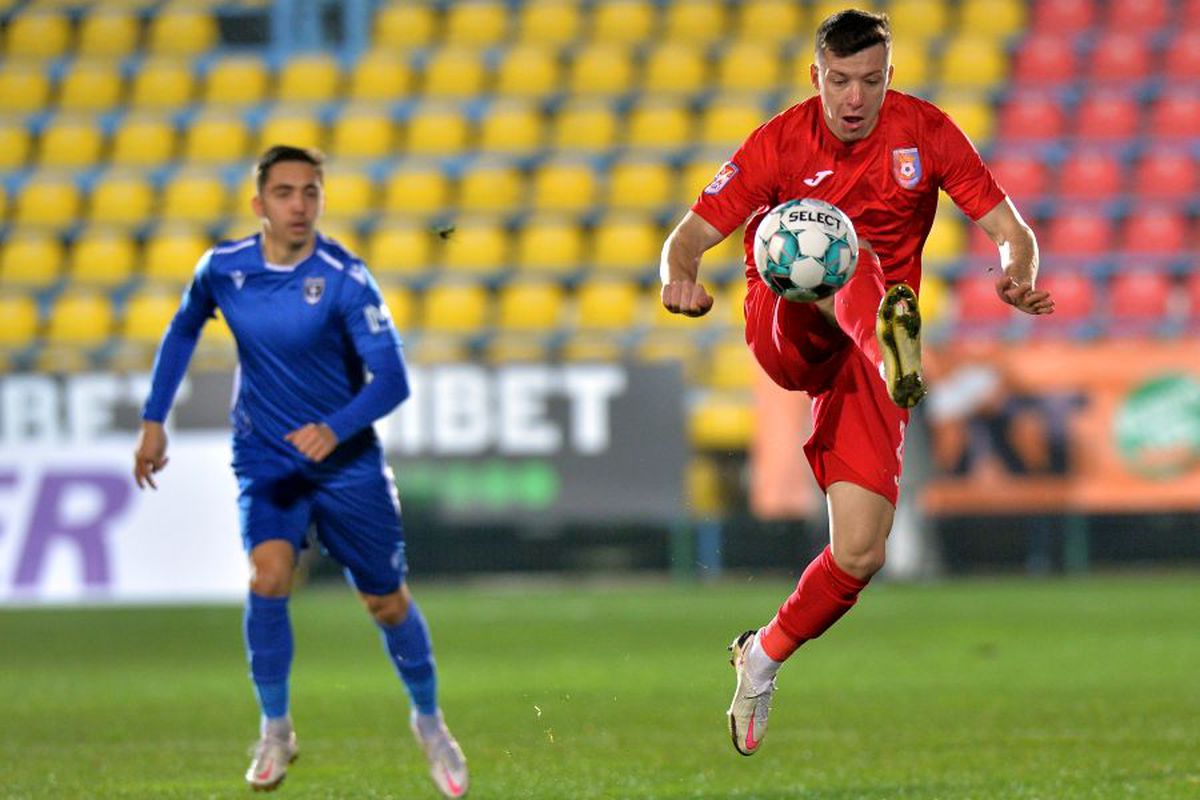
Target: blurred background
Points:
(562, 421)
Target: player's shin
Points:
(269, 648)
(855, 305)
(825, 593)
(411, 650)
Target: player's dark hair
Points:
(851, 31)
(284, 152)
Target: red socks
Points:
(856, 305)
(825, 592)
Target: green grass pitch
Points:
(1083, 688)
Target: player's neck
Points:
(284, 254)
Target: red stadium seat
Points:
(981, 244)
(1187, 17)
(1176, 115)
(1120, 56)
(1045, 59)
(1181, 59)
(1139, 295)
(977, 302)
(1170, 173)
(1080, 232)
(1192, 291)
(1138, 15)
(1159, 230)
(1063, 17)
(1090, 173)
(1032, 117)
(1107, 116)
(1022, 175)
(1073, 294)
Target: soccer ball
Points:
(805, 249)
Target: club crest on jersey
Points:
(239, 278)
(313, 289)
(724, 175)
(906, 166)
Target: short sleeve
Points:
(744, 183)
(366, 316)
(963, 174)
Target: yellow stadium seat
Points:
(696, 175)
(121, 198)
(971, 112)
(729, 253)
(999, 19)
(198, 196)
(673, 345)
(973, 62)
(236, 81)
(918, 21)
(476, 24)
(400, 248)
(455, 307)
(48, 200)
(15, 146)
(823, 9)
(436, 347)
(934, 300)
(731, 365)
(44, 35)
(628, 244)
(721, 421)
(626, 21)
(90, 85)
(80, 318)
(531, 306)
(69, 142)
(747, 65)
(143, 140)
(314, 78)
(416, 190)
(108, 33)
(18, 321)
(773, 21)
(171, 254)
(494, 187)
(601, 69)
(30, 259)
(102, 257)
(726, 122)
(730, 308)
(182, 32)
(585, 125)
(698, 21)
(947, 239)
(405, 26)
(349, 194)
(476, 246)
(400, 305)
(147, 315)
(163, 82)
(912, 66)
(3, 193)
(516, 347)
(362, 132)
(640, 185)
(343, 231)
(454, 72)
(603, 304)
(380, 76)
(511, 127)
(294, 126)
(528, 71)
(657, 123)
(436, 130)
(548, 22)
(549, 244)
(563, 186)
(586, 346)
(24, 87)
(675, 67)
(216, 137)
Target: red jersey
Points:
(887, 183)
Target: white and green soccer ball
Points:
(805, 249)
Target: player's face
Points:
(852, 89)
(289, 204)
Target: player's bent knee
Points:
(271, 567)
(862, 564)
(390, 609)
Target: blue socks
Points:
(269, 649)
(411, 652)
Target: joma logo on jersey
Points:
(724, 175)
(906, 166)
(313, 289)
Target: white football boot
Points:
(272, 755)
(751, 704)
(447, 764)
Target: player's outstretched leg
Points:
(447, 765)
(276, 749)
(268, 633)
(898, 327)
(751, 697)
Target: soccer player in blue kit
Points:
(309, 324)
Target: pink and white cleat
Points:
(447, 764)
(751, 704)
(272, 755)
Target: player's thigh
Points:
(274, 508)
(792, 342)
(359, 526)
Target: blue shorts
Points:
(358, 524)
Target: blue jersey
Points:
(306, 336)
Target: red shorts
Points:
(858, 432)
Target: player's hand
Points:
(315, 441)
(150, 455)
(686, 297)
(1021, 295)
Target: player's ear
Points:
(813, 75)
(256, 205)
(891, 72)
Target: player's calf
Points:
(898, 328)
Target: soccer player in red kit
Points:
(880, 156)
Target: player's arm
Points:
(1018, 259)
(679, 269)
(170, 364)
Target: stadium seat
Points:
(1138, 16)
(401, 306)
(476, 24)
(528, 71)
(216, 137)
(1074, 303)
(1139, 301)
(436, 130)
(493, 186)
(588, 124)
(1181, 58)
(605, 304)
(624, 21)
(913, 67)
(628, 244)
(720, 421)
(49, 201)
(455, 307)
(349, 194)
(696, 174)
(672, 67)
(1063, 17)
(69, 142)
(669, 345)
(312, 78)
(1118, 57)
(700, 22)
(730, 302)
(18, 321)
(1107, 116)
(146, 316)
(1046, 59)
(511, 127)
(531, 306)
(24, 87)
(108, 33)
(478, 246)
(182, 32)
(30, 260)
(1000, 19)
(3, 193)
(548, 22)
(1167, 173)
(947, 240)
(339, 228)
(121, 198)
(659, 123)
(236, 81)
(171, 254)
(453, 72)
(37, 35)
(731, 365)
(587, 347)
(977, 303)
(90, 85)
(380, 76)
(749, 66)
(400, 248)
(1031, 116)
(417, 190)
(194, 196)
(516, 347)
(549, 244)
(768, 21)
(603, 69)
(972, 112)
(405, 26)
(294, 126)
(1021, 174)
(362, 131)
(80, 318)
(918, 21)
(1091, 173)
(1080, 232)
(162, 83)
(563, 186)
(640, 185)
(102, 258)
(1188, 15)
(726, 122)
(973, 62)
(143, 140)
(1157, 230)
(1176, 115)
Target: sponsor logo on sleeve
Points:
(724, 175)
(379, 319)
